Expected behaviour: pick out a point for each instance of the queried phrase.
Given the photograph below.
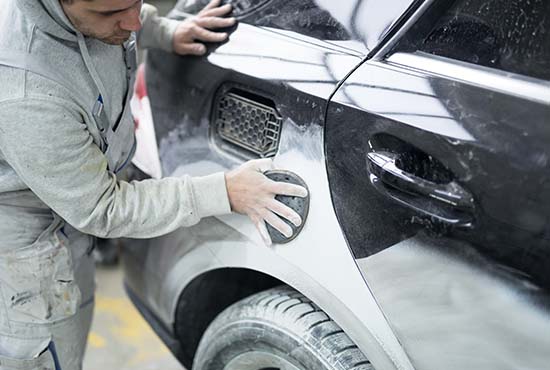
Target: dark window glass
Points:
(511, 35)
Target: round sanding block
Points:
(300, 205)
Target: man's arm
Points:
(46, 143)
(53, 153)
(156, 32)
(185, 37)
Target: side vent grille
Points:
(248, 122)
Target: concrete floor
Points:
(120, 339)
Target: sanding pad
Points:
(300, 205)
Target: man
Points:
(66, 73)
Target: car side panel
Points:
(457, 296)
(495, 145)
(452, 308)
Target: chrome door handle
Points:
(446, 201)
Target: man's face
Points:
(110, 21)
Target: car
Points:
(422, 131)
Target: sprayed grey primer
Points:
(232, 241)
(443, 294)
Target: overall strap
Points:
(36, 65)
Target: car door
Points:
(438, 156)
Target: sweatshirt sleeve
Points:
(156, 32)
(51, 150)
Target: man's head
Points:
(110, 21)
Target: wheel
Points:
(278, 329)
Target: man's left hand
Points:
(192, 33)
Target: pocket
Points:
(44, 361)
(37, 283)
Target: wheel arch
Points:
(206, 297)
(214, 290)
(326, 274)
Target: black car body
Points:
(422, 129)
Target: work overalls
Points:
(47, 288)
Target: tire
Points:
(278, 329)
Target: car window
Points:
(510, 35)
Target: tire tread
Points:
(291, 310)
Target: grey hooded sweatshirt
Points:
(50, 158)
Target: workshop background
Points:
(120, 339)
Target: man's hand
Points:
(192, 33)
(252, 193)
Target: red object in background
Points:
(140, 89)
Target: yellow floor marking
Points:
(95, 340)
(129, 325)
(130, 328)
(127, 342)
(148, 356)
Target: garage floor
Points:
(120, 339)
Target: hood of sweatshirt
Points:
(49, 16)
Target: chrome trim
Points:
(402, 31)
(489, 78)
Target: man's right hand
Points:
(252, 193)
(192, 34)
